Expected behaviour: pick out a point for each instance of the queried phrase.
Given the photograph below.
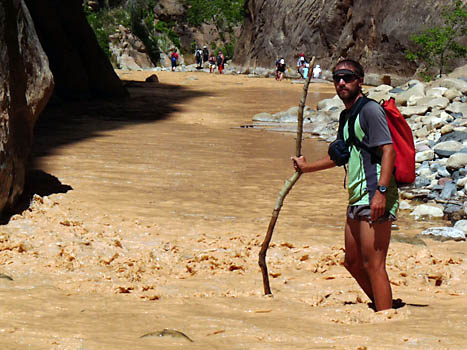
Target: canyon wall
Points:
(26, 84)
(374, 32)
(43, 42)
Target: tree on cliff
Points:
(439, 45)
(224, 14)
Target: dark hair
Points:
(355, 65)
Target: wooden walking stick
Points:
(285, 189)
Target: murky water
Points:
(150, 216)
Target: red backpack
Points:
(402, 139)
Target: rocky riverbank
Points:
(437, 114)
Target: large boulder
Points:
(129, 51)
(26, 86)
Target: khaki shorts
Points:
(363, 212)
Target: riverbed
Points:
(148, 213)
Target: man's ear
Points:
(360, 82)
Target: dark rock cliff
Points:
(26, 84)
(79, 66)
(375, 32)
(52, 43)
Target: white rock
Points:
(451, 94)
(445, 233)
(457, 84)
(446, 129)
(414, 99)
(423, 132)
(416, 90)
(263, 117)
(427, 210)
(382, 88)
(457, 161)
(329, 103)
(437, 123)
(405, 205)
(461, 182)
(452, 146)
(412, 110)
(425, 172)
(458, 107)
(440, 102)
(436, 91)
(461, 225)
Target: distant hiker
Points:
(198, 58)
(305, 70)
(220, 62)
(280, 69)
(174, 59)
(212, 63)
(301, 64)
(373, 194)
(316, 71)
(205, 54)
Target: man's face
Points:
(347, 83)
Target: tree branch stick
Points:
(286, 188)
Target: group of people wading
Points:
(202, 56)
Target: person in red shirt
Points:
(220, 62)
(174, 59)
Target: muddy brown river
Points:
(147, 214)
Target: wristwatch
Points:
(382, 189)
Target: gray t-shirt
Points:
(373, 122)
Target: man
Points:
(280, 69)
(173, 59)
(301, 64)
(198, 57)
(205, 54)
(316, 71)
(212, 63)
(220, 62)
(373, 194)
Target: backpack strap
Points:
(354, 111)
(353, 140)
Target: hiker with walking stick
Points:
(373, 195)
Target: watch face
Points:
(382, 189)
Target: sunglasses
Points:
(346, 74)
(348, 78)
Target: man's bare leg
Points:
(374, 244)
(353, 258)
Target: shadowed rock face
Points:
(374, 32)
(26, 86)
(79, 66)
(71, 56)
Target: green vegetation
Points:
(159, 36)
(143, 26)
(224, 14)
(139, 17)
(105, 22)
(439, 45)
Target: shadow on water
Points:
(65, 123)
(37, 182)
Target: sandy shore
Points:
(148, 214)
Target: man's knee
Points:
(352, 264)
(373, 266)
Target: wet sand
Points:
(148, 214)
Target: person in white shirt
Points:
(316, 71)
